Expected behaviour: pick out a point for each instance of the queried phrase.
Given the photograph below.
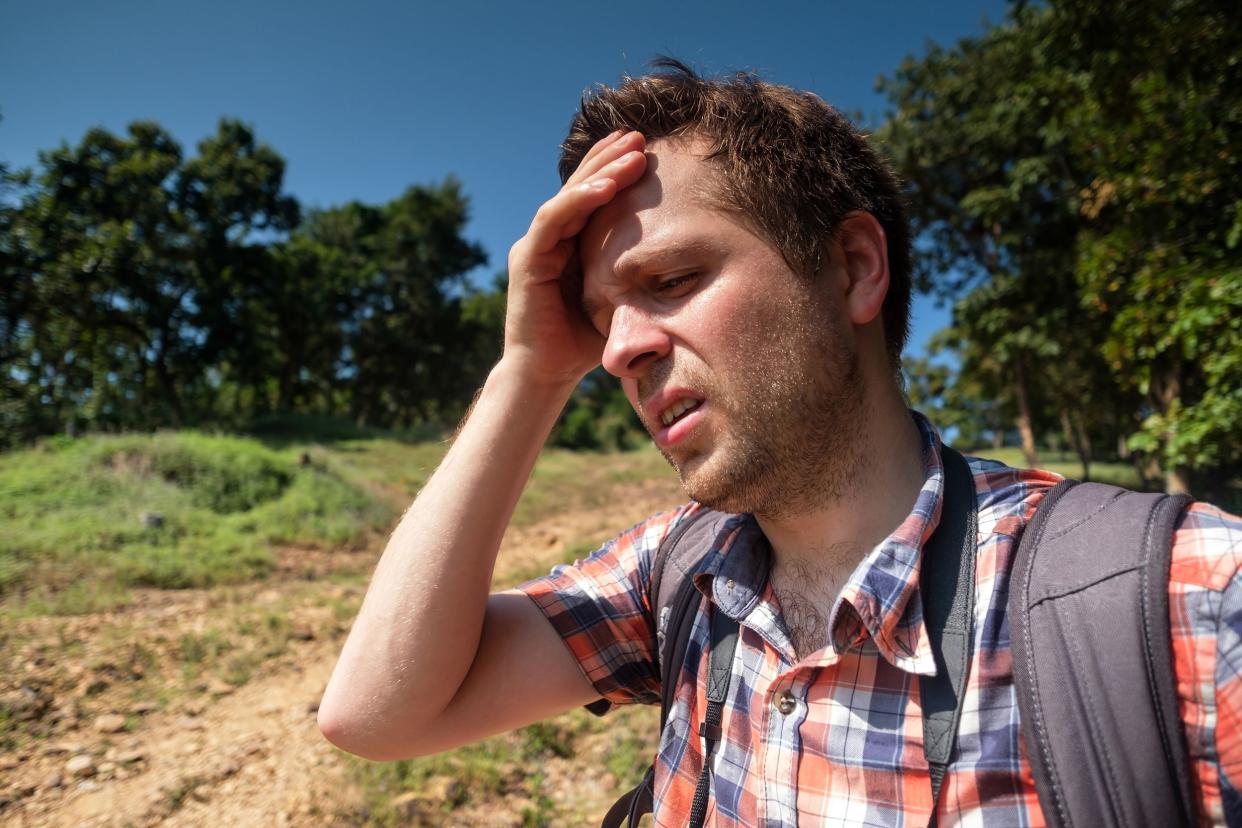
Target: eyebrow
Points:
(636, 261)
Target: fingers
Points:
(605, 151)
(566, 213)
(596, 149)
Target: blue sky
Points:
(365, 98)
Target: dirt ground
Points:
(126, 737)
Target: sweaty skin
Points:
(699, 311)
(768, 390)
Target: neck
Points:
(838, 533)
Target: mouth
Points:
(678, 410)
(677, 420)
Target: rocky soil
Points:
(198, 707)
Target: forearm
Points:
(419, 627)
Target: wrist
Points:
(517, 376)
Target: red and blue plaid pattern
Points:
(836, 738)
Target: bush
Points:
(579, 430)
(172, 510)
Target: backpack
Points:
(1089, 631)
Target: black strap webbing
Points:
(947, 588)
(720, 673)
(680, 553)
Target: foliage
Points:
(1074, 178)
(144, 288)
(598, 417)
(126, 262)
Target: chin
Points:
(715, 488)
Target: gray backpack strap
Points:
(947, 589)
(674, 604)
(1092, 658)
(679, 556)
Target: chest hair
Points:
(807, 588)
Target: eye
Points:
(676, 285)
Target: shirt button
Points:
(786, 703)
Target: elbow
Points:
(338, 730)
(361, 735)
(353, 735)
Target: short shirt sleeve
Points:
(601, 607)
(1205, 608)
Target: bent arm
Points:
(432, 661)
(427, 623)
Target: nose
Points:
(635, 342)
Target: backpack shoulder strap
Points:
(1092, 658)
(674, 604)
(679, 557)
(947, 589)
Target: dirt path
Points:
(206, 753)
(254, 757)
(222, 755)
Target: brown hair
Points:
(790, 163)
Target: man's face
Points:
(743, 371)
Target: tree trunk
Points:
(1084, 446)
(284, 393)
(1177, 480)
(169, 387)
(1076, 436)
(1166, 392)
(1025, 428)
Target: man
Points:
(735, 252)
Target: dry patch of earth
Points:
(198, 707)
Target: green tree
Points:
(142, 289)
(129, 261)
(408, 354)
(1074, 179)
(1156, 117)
(988, 179)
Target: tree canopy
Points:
(1075, 183)
(144, 288)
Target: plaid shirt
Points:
(836, 738)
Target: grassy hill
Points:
(85, 520)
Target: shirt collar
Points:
(881, 600)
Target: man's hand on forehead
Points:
(545, 329)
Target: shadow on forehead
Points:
(616, 223)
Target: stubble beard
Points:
(790, 441)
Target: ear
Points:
(864, 248)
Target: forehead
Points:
(670, 204)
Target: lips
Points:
(678, 410)
(673, 414)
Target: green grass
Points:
(564, 480)
(573, 552)
(82, 521)
(76, 526)
(1065, 464)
